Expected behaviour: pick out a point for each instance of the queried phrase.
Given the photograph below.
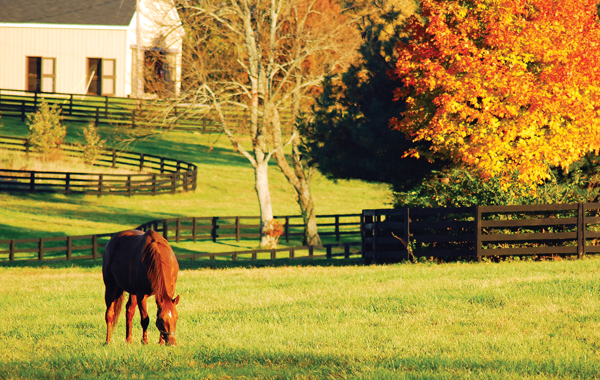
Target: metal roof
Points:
(68, 12)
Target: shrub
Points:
(46, 133)
(273, 231)
(93, 144)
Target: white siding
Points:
(159, 22)
(71, 46)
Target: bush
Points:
(93, 144)
(46, 133)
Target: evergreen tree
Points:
(348, 134)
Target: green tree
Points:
(46, 132)
(348, 134)
(93, 144)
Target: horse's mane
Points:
(156, 258)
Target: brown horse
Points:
(141, 264)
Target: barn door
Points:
(109, 76)
(48, 75)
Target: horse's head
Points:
(166, 320)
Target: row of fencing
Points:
(124, 111)
(387, 235)
(154, 175)
(481, 231)
(196, 229)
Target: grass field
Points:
(312, 320)
(517, 320)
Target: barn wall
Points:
(70, 45)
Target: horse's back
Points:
(121, 262)
(125, 261)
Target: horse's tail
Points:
(118, 307)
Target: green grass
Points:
(519, 320)
(225, 188)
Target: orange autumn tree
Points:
(504, 86)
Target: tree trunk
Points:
(297, 175)
(264, 197)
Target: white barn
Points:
(90, 47)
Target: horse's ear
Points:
(176, 300)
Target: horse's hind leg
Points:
(131, 305)
(143, 306)
(113, 297)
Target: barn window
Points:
(101, 76)
(157, 73)
(41, 74)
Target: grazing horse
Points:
(141, 264)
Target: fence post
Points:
(177, 231)
(41, 249)
(166, 229)
(22, 110)
(337, 228)
(97, 116)
(329, 249)
(581, 227)
(406, 234)
(35, 101)
(287, 229)
(141, 161)
(114, 158)
(347, 250)
(153, 183)
(95, 247)
(71, 105)
(237, 228)
(32, 182)
(174, 182)
(311, 251)
(106, 107)
(477, 236)
(100, 177)
(129, 185)
(11, 250)
(68, 183)
(69, 247)
(194, 229)
(213, 231)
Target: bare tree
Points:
(265, 58)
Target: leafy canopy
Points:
(502, 85)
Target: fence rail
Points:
(123, 111)
(238, 227)
(483, 231)
(181, 229)
(162, 175)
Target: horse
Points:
(143, 265)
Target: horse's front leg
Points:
(142, 304)
(131, 305)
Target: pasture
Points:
(312, 320)
(225, 188)
(511, 320)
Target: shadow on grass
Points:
(227, 362)
(29, 204)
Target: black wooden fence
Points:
(238, 227)
(157, 174)
(483, 231)
(206, 229)
(123, 111)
